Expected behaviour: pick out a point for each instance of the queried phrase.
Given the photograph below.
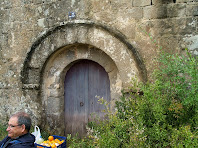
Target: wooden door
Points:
(83, 82)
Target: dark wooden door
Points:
(83, 82)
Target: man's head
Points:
(19, 124)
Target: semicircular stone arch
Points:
(56, 50)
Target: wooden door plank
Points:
(98, 86)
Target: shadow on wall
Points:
(162, 2)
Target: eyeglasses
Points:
(11, 126)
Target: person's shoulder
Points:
(24, 145)
(27, 138)
(24, 141)
(4, 140)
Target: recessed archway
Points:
(54, 52)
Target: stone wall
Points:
(34, 31)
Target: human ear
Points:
(23, 127)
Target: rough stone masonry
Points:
(39, 40)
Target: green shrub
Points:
(3, 132)
(171, 102)
(184, 137)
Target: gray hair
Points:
(23, 118)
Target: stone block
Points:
(15, 14)
(160, 2)
(192, 10)
(191, 24)
(129, 31)
(71, 36)
(169, 43)
(179, 26)
(136, 13)
(82, 34)
(186, 1)
(54, 105)
(159, 27)
(153, 12)
(192, 1)
(4, 39)
(33, 76)
(176, 10)
(6, 4)
(182, 1)
(38, 1)
(138, 3)
(4, 15)
(27, 2)
(192, 42)
(32, 93)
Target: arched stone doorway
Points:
(57, 68)
(51, 56)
